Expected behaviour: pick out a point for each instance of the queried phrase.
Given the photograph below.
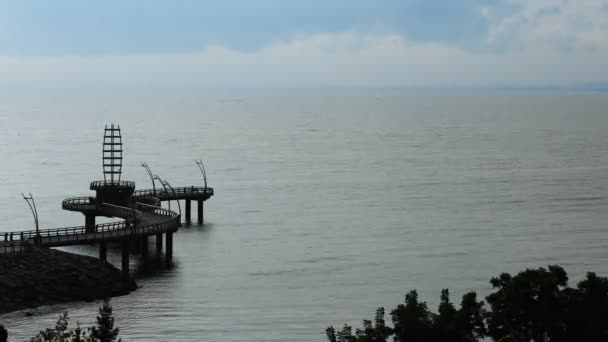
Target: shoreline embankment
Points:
(44, 276)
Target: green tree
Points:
(463, 325)
(331, 334)
(344, 335)
(104, 331)
(59, 333)
(470, 318)
(375, 331)
(78, 335)
(587, 318)
(412, 320)
(530, 306)
(444, 324)
(534, 305)
(381, 332)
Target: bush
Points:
(103, 331)
(534, 305)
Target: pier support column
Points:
(188, 207)
(200, 211)
(169, 248)
(126, 244)
(103, 251)
(159, 243)
(144, 247)
(89, 223)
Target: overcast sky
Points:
(269, 43)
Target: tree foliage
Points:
(375, 331)
(534, 305)
(414, 322)
(528, 306)
(103, 331)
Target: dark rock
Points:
(45, 276)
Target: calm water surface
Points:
(326, 206)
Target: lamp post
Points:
(145, 166)
(30, 202)
(202, 168)
(168, 186)
(179, 207)
(160, 180)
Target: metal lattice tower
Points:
(112, 154)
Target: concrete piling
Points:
(126, 243)
(89, 223)
(169, 247)
(159, 243)
(200, 211)
(144, 246)
(188, 210)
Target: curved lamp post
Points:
(202, 168)
(179, 207)
(30, 202)
(145, 166)
(160, 180)
(168, 187)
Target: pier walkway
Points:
(140, 212)
(141, 221)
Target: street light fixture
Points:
(160, 180)
(179, 207)
(168, 187)
(202, 168)
(30, 202)
(145, 166)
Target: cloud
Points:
(558, 24)
(318, 60)
(538, 42)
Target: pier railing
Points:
(13, 247)
(13, 242)
(175, 193)
(157, 210)
(130, 215)
(116, 184)
(150, 200)
(67, 233)
(78, 201)
(172, 224)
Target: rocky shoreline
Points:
(43, 276)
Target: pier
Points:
(139, 212)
